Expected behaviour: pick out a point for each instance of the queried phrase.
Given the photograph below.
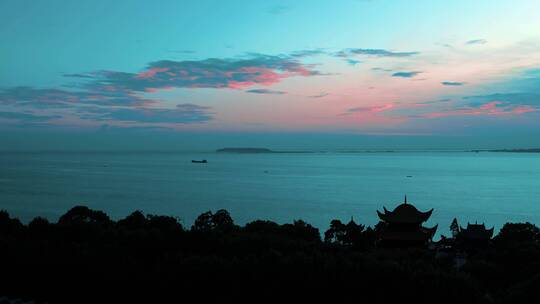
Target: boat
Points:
(199, 161)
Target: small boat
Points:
(199, 161)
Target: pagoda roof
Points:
(352, 223)
(404, 214)
(476, 231)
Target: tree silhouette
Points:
(40, 225)
(263, 227)
(136, 220)
(203, 222)
(336, 232)
(221, 221)
(302, 230)
(80, 215)
(513, 234)
(164, 223)
(151, 258)
(8, 224)
(351, 234)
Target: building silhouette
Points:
(402, 227)
(474, 235)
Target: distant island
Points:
(245, 150)
(533, 150)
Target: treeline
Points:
(87, 257)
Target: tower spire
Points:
(405, 199)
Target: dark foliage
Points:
(350, 235)
(87, 257)
(517, 234)
(220, 221)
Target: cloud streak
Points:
(381, 53)
(320, 95)
(370, 109)
(59, 98)
(353, 61)
(522, 98)
(27, 118)
(493, 108)
(266, 91)
(476, 42)
(452, 83)
(406, 74)
(350, 54)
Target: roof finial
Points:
(405, 199)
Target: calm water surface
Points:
(486, 187)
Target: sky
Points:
(413, 69)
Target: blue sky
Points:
(379, 67)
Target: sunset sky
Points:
(379, 67)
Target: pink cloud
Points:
(371, 109)
(151, 73)
(382, 108)
(239, 84)
(493, 108)
(210, 73)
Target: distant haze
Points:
(163, 140)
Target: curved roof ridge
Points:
(405, 213)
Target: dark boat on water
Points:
(199, 161)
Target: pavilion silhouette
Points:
(403, 227)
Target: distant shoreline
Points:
(251, 150)
(268, 151)
(533, 150)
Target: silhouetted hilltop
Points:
(86, 257)
(536, 150)
(533, 150)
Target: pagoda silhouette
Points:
(402, 227)
(475, 235)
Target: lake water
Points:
(486, 187)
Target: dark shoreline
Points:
(88, 258)
(533, 150)
(6, 152)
